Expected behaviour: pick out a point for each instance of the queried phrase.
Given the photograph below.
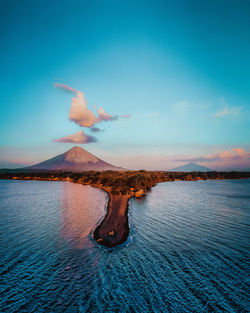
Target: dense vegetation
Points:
(122, 182)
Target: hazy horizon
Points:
(13, 165)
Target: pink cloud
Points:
(79, 113)
(103, 116)
(239, 151)
(79, 137)
(84, 117)
(234, 154)
(236, 158)
(65, 87)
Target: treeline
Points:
(122, 182)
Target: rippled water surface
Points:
(188, 249)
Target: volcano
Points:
(191, 167)
(76, 159)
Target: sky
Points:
(140, 84)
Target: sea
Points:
(188, 249)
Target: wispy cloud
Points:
(233, 111)
(103, 116)
(58, 79)
(240, 152)
(182, 104)
(79, 137)
(65, 87)
(225, 155)
(181, 107)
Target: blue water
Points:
(188, 251)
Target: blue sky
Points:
(180, 69)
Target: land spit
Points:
(114, 228)
(120, 186)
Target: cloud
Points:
(85, 117)
(225, 155)
(233, 111)
(239, 151)
(65, 87)
(184, 104)
(103, 116)
(181, 107)
(79, 113)
(95, 129)
(79, 137)
(59, 78)
(228, 160)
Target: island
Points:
(120, 186)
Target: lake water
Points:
(188, 250)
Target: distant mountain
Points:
(191, 167)
(75, 160)
(5, 165)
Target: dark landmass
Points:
(120, 186)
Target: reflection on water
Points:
(189, 253)
(82, 207)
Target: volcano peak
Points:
(76, 159)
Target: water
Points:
(188, 250)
